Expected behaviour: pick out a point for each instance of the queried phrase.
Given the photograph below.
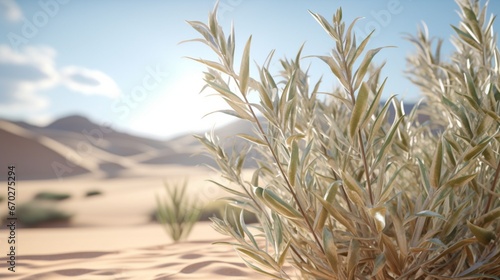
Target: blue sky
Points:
(119, 62)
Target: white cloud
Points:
(26, 73)
(87, 81)
(10, 10)
(23, 75)
(24, 101)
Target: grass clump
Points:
(178, 212)
(342, 193)
(52, 196)
(93, 193)
(34, 214)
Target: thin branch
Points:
(353, 99)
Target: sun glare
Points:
(180, 108)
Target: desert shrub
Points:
(93, 193)
(32, 214)
(53, 196)
(177, 211)
(342, 193)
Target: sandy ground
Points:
(111, 235)
(133, 252)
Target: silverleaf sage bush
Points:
(350, 187)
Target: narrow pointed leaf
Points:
(380, 120)
(330, 250)
(466, 38)
(331, 192)
(279, 205)
(284, 253)
(353, 258)
(379, 264)
(324, 23)
(204, 31)
(359, 110)
(400, 231)
(476, 151)
(488, 217)
(245, 67)
(294, 162)
(428, 213)
(460, 181)
(351, 183)
(336, 214)
(374, 105)
(212, 64)
(435, 172)
(350, 36)
(258, 258)
(360, 49)
(388, 139)
(335, 68)
(363, 67)
(252, 139)
(483, 235)
(453, 220)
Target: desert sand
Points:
(111, 236)
(134, 252)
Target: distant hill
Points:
(74, 145)
(73, 123)
(101, 136)
(71, 146)
(30, 153)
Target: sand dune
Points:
(74, 145)
(22, 147)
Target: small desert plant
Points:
(51, 196)
(341, 193)
(93, 193)
(33, 214)
(178, 212)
